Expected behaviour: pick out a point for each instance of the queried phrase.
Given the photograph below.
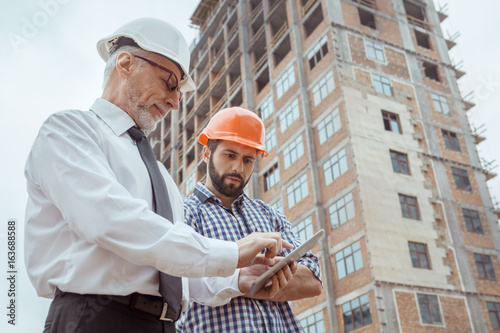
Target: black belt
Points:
(147, 303)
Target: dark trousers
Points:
(75, 313)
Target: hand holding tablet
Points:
(292, 257)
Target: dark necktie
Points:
(170, 286)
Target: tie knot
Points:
(135, 133)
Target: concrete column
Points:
(313, 165)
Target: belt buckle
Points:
(163, 315)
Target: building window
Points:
(349, 260)
(374, 50)
(342, 211)
(319, 51)
(271, 139)
(450, 140)
(400, 162)
(429, 309)
(304, 229)
(391, 122)
(409, 207)
(382, 84)
(472, 221)
(329, 126)
(356, 313)
(285, 82)
(289, 115)
(494, 313)
(190, 183)
(440, 104)
(422, 39)
(323, 88)
(267, 108)
(461, 179)
(484, 266)
(366, 18)
(418, 255)
(335, 166)
(431, 71)
(314, 323)
(297, 191)
(271, 177)
(278, 205)
(293, 152)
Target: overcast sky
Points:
(49, 62)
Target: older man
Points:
(104, 231)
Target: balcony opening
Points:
(313, 21)
(414, 10)
(422, 39)
(366, 18)
(282, 50)
(262, 80)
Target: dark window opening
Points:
(282, 50)
(366, 18)
(415, 10)
(431, 71)
(423, 39)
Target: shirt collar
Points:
(203, 194)
(117, 119)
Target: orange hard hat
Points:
(237, 125)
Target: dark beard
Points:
(231, 190)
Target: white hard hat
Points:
(156, 36)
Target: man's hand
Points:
(261, 264)
(254, 243)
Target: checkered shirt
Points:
(205, 213)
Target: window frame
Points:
(285, 81)
(271, 138)
(451, 140)
(494, 310)
(289, 115)
(351, 254)
(347, 210)
(299, 186)
(461, 179)
(271, 177)
(319, 51)
(484, 262)
(335, 166)
(440, 103)
(314, 323)
(429, 306)
(324, 87)
(389, 121)
(266, 109)
(384, 83)
(293, 152)
(406, 209)
(400, 159)
(330, 125)
(472, 221)
(376, 49)
(351, 312)
(418, 253)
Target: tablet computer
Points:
(293, 256)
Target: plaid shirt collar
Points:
(203, 194)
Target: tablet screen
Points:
(292, 257)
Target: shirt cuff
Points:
(223, 259)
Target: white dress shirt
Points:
(89, 224)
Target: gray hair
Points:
(111, 63)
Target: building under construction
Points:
(368, 139)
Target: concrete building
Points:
(368, 138)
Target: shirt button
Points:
(220, 272)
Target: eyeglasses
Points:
(171, 82)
